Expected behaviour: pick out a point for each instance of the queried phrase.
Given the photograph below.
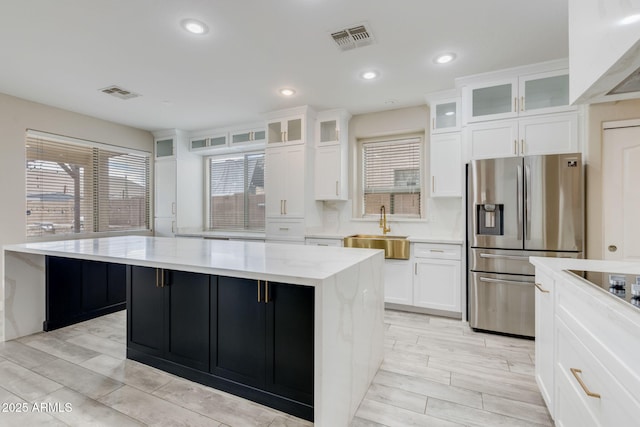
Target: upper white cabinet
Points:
(175, 170)
(284, 181)
(446, 165)
(331, 179)
(165, 147)
(445, 115)
(288, 130)
(537, 93)
(247, 136)
(214, 141)
(548, 134)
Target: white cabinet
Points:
(544, 344)
(204, 142)
(249, 136)
(550, 134)
(446, 165)
(445, 115)
(398, 287)
(284, 181)
(330, 171)
(178, 184)
(437, 276)
(536, 93)
(321, 241)
(289, 130)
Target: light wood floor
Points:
(437, 372)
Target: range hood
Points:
(604, 51)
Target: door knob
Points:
(612, 248)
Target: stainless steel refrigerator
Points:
(519, 207)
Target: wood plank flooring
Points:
(436, 372)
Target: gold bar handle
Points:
(266, 292)
(541, 289)
(515, 147)
(258, 290)
(522, 103)
(337, 184)
(522, 146)
(515, 104)
(436, 250)
(285, 206)
(589, 393)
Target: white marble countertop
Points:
(552, 265)
(304, 265)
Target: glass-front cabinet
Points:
(247, 136)
(165, 147)
(525, 95)
(544, 93)
(204, 142)
(445, 115)
(289, 130)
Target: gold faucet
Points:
(383, 221)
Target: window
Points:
(391, 175)
(81, 187)
(236, 192)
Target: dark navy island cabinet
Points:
(251, 338)
(78, 290)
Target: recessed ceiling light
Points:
(369, 75)
(445, 58)
(194, 26)
(287, 92)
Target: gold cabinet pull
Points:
(337, 193)
(266, 292)
(589, 393)
(541, 289)
(522, 103)
(515, 147)
(285, 206)
(522, 146)
(433, 183)
(515, 104)
(258, 290)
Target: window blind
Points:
(391, 177)
(74, 187)
(236, 191)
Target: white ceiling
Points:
(61, 52)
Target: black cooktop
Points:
(624, 286)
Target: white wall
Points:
(444, 217)
(17, 115)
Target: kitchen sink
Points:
(395, 247)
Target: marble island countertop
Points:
(297, 264)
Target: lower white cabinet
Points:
(436, 281)
(397, 282)
(321, 241)
(544, 344)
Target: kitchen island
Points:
(335, 294)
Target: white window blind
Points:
(391, 177)
(75, 187)
(236, 190)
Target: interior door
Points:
(620, 195)
(553, 202)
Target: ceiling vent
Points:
(351, 38)
(118, 92)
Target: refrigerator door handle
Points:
(514, 257)
(519, 200)
(508, 282)
(527, 198)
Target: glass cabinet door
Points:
(218, 141)
(275, 132)
(445, 115)
(492, 100)
(294, 129)
(329, 131)
(164, 147)
(198, 143)
(544, 93)
(240, 137)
